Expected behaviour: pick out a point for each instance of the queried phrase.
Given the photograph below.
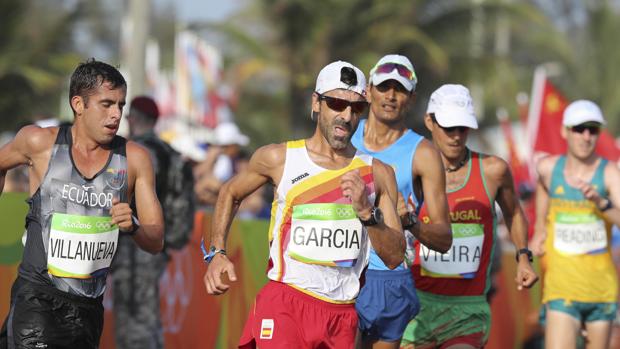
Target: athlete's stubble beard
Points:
(337, 142)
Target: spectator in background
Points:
(137, 273)
(219, 163)
(256, 205)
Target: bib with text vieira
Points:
(326, 234)
(80, 246)
(464, 269)
(71, 240)
(579, 264)
(462, 260)
(316, 242)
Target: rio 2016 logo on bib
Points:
(81, 247)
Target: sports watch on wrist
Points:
(607, 206)
(408, 220)
(376, 217)
(527, 252)
(135, 225)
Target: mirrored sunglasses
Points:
(403, 71)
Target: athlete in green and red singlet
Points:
(452, 287)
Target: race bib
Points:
(579, 233)
(80, 247)
(463, 258)
(325, 234)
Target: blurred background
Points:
(254, 63)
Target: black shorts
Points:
(43, 317)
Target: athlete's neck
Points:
(83, 142)
(453, 165)
(379, 135)
(324, 155)
(581, 168)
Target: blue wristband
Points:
(208, 256)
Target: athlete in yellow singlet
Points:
(576, 205)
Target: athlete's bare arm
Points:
(427, 165)
(31, 146)
(544, 169)
(150, 235)
(387, 237)
(501, 185)
(612, 180)
(266, 165)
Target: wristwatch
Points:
(408, 220)
(135, 225)
(376, 217)
(607, 206)
(527, 252)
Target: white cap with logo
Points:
(407, 78)
(453, 106)
(582, 111)
(331, 78)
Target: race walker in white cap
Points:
(331, 202)
(452, 287)
(576, 205)
(419, 174)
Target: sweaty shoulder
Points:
(136, 151)
(427, 160)
(268, 160)
(495, 168)
(544, 166)
(33, 139)
(612, 172)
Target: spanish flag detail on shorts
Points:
(266, 329)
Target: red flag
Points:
(519, 169)
(545, 122)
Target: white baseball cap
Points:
(186, 145)
(582, 111)
(228, 133)
(331, 78)
(453, 106)
(386, 69)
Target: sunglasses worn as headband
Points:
(339, 104)
(403, 71)
(594, 130)
(460, 129)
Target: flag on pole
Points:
(545, 122)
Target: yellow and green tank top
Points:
(578, 255)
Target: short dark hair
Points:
(91, 74)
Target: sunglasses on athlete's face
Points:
(593, 129)
(338, 104)
(387, 68)
(460, 129)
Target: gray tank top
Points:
(71, 241)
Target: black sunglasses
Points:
(594, 130)
(460, 129)
(339, 104)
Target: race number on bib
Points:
(579, 233)
(80, 246)
(325, 234)
(462, 260)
